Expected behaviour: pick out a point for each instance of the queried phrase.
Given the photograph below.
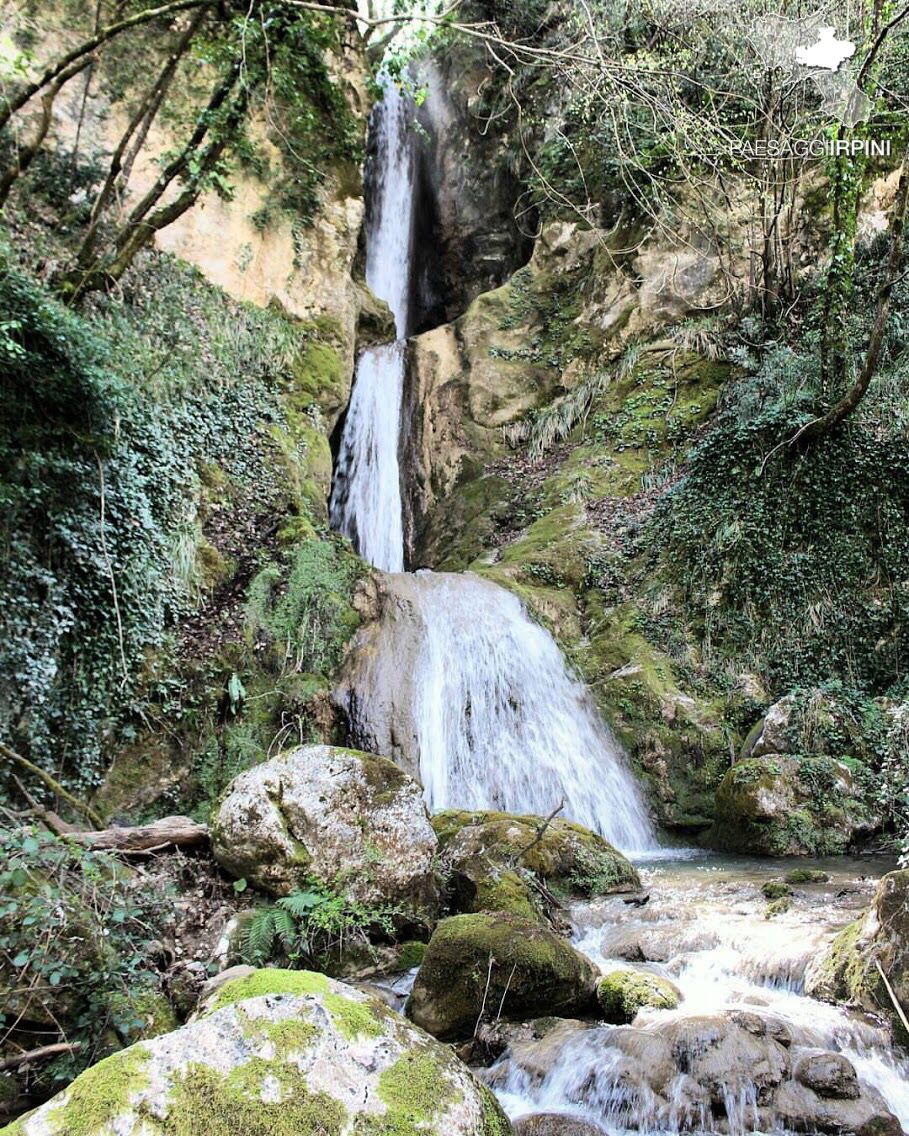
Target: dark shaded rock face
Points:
(465, 217)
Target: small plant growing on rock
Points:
(308, 926)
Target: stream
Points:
(704, 928)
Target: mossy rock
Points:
(778, 907)
(489, 855)
(807, 876)
(775, 889)
(496, 962)
(847, 971)
(622, 993)
(789, 806)
(352, 821)
(282, 1053)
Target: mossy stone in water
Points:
(622, 993)
(806, 876)
(775, 889)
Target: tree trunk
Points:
(823, 425)
(173, 831)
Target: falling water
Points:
(465, 686)
(366, 496)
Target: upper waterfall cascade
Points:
(366, 496)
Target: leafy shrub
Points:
(78, 933)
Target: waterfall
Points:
(462, 685)
(366, 495)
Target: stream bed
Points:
(705, 928)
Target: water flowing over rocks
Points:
(346, 818)
(366, 493)
(281, 1051)
(457, 684)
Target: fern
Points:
(260, 935)
(286, 929)
(301, 903)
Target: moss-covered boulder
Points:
(290, 1053)
(621, 993)
(790, 806)
(491, 962)
(848, 970)
(351, 820)
(489, 853)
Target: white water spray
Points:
(464, 683)
(366, 495)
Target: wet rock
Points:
(282, 1051)
(829, 1075)
(480, 963)
(775, 889)
(555, 1124)
(622, 993)
(848, 970)
(789, 806)
(351, 820)
(806, 876)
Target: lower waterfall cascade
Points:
(463, 687)
(498, 721)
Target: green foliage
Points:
(144, 392)
(78, 934)
(307, 927)
(305, 606)
(798, 561)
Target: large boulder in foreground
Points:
(283, 1052)
(350, 820)
(789, 806)
(848, 969)
(487, 856)
(484, 963)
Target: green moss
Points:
(353, 1019)
(102, 1093)
(415, 1091)
(778, 907)
(204, 1101)
(495, 1122)
(270, 980)
(622, 993)
(411, 954)
(493, 849)
(496, 960)
(806, 876)
(318, 376)
(775, 889)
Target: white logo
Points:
(828, 52)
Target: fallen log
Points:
(173, 831)
(39, 1054)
